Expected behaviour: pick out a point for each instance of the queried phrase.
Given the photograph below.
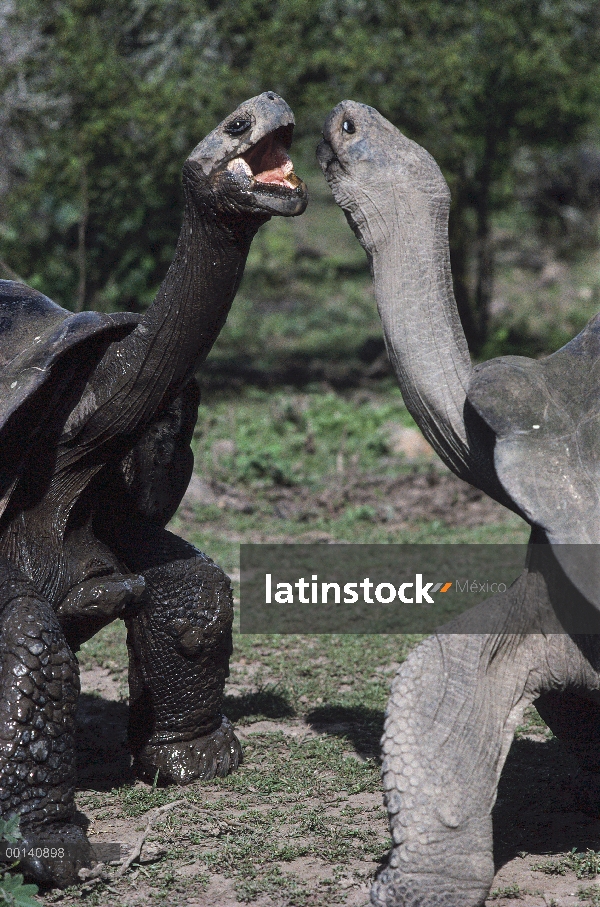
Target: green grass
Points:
(107, 649)
(314, 442)
(285, 438)
(589, 895)
(584, 865)
(513, 891)
(534, 724)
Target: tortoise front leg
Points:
(39, 690)
(450, 721)
(179, 642)
(91, 605)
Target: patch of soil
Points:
(212, 493)
(413, 498)
(219, 893)
(296, 729)
(536, 816)
(400, 501)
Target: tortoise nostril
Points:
(270, 96)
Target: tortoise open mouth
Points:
(268, 164)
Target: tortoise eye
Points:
(348, 126)
(238, 126)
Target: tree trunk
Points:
(473, 296)
(81, 231)
(484, 257)
(460, 247)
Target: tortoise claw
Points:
(210, 756)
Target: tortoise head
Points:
(243, 166)
(374, 171)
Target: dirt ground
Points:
(398, 502)
(104, 764)
(536, 816)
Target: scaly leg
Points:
(40, 687)
(179, 642)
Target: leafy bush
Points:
(13, 890)
(584, 865)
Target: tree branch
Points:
(137, 848)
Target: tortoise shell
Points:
(545, 415)
(36, 337)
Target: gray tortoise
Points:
(96, 417)
(527, 433)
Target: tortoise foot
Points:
(54, 854)
(214, 755)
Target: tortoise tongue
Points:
(277, 174)
(270, 163)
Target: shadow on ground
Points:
(265, 703)
(537, 810)
(361, 726)
(103, 760)
(539, 797)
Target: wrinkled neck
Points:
(144, 372)
(195, 297)
(423, 334)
